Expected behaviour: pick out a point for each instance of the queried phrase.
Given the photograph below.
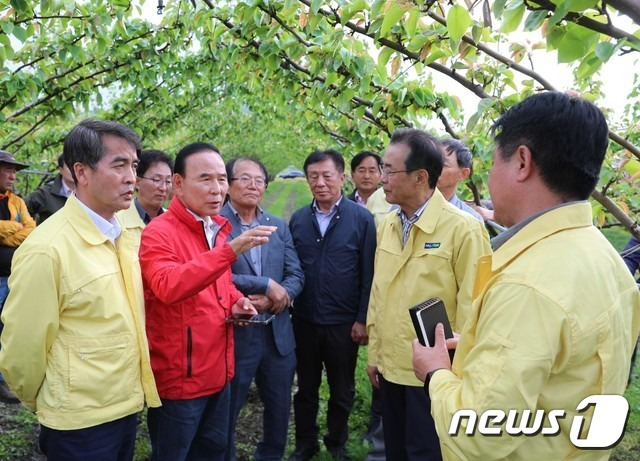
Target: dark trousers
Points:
(112, 441)
(331, 346)
(257, 357)
(193, 429)
(409, 430)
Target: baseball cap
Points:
(6, 157)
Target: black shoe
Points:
(304, 453)
(339, 454)
(6, 395)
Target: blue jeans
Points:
(4, 292)
(193, 429)
(112, 441)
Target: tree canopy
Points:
(277, 79)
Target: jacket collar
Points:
(82, 223)
(571, 216)
(429, 218)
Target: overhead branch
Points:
(630, 8)
(616, 211)
(601, 27)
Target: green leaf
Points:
(476, 33)
(512, 16)
(20, 34)
(604, 51)
(560, 13)
(458, 21)
(351, 10)
(101, 45)
(384, 55)
(20, 5)
(498, 7)
(376, 7)
(315, 6)
(392, 16)
(7, 27)
(576, 43)
(534, 20)
(578, 6)
(412, 22)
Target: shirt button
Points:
(220, 298)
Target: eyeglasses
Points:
(158, 182)
(246, 180)
(388, 173)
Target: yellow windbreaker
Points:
(438, 260)
(131, 220)
(555, 319)
(10, 233)
(74, 347)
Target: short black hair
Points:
(149, 157)
(60, 160)
(230, 165)
(318, 156)
(83, 144)
(360, 156)
(463, 154)
(567, 137)
(425, 152)
(190, 149)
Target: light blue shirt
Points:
(456, 202)
(323, 218)
(255, 252)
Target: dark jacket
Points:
(338, 267)
(632, 259)
(46, 200)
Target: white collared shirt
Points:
(111, 229)
(210, 227)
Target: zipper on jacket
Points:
(189, 349)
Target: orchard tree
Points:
(279, 78)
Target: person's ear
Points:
(81, 171)
(178, 183)
(464, 174)
(523, 162)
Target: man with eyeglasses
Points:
(270, 276)
(335, 239)
(428, 248)
(153, 184)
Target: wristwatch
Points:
(427, 379)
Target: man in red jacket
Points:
(186, 270)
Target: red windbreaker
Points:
(188, 293)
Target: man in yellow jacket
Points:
(74, 348)
(555, 314)
(15, 224)
(428, 248)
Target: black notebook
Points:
(425, 316)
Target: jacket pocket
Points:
(102, 371)
(189, 351)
